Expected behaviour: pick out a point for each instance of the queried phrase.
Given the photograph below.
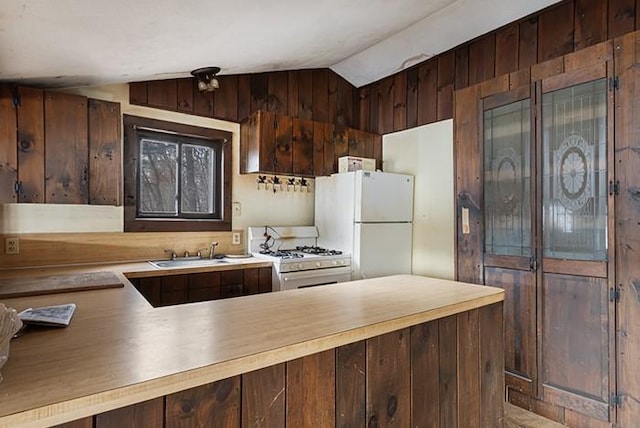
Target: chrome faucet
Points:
(212, 249)
(173, 253)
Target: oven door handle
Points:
(318, 273)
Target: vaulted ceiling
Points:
(67, 43)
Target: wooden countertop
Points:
(119, 351)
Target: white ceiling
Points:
(66, 43)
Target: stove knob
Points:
(299, 266)
(342, 262)
(318, 264)
(335, 263)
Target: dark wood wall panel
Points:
(385, 105)
(446, 80)
(556, 31)
(104, 153)
(66, 177)
(427, 92)
(528, 43)
(469, 394)
(590, 23)
(507, 49)
(482, 59)
(226, 105)
(278, 92)
(622, 17)
(8, 148)
(425, 375)
(412, 99)
(304, 100)
(310, 390)
(213, 405)
(31, 145)
(350, 385)
(400, 101)
(263, 397)
(146, 414)
(163, 94)
(388, 380)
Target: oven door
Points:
(312, 278)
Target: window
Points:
(177, 177)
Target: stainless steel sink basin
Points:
(184, 263)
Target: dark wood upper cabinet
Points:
(277, 144)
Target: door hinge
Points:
(17, 101)
(533, 263)
(614, 83)
(616, 400)
(614, 187)
(614, 294)
(17, 187)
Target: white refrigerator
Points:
(370, 215)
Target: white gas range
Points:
(297, 261)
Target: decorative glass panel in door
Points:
(508, 225)
(576, 314)
(575, 172)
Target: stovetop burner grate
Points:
(318, 251)
(283, 254)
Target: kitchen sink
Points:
(185, 263)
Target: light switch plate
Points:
(237, 209)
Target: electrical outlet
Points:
(12, 246)
(237, 209)
(235, 238)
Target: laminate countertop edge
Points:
(116, 397)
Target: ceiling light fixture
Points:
(206, 76)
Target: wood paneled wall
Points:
(424, 93)
(446, 372)
(318, 94)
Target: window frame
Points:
(133, 222)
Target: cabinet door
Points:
(231, 283)
(266, 280)
(509, 252)
(204, 286)
(174, 290)
(149, 288)
(577, 318)
(283, 151)
(251, 281)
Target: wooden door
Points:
(575, 217)
(509, 228)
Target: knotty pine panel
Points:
(213, 405)
(425, 375)
(259, 86)
(528, 43)
(8, 147)
(66, 177)
(468, 374)
(345, 102)
(462, 67)
(446, 79)
(31, 145)
(244, 97)
(320, 95)
(388, 383)
(185, 89)
(278, 93)
(104, 153)
(332, 100)
(145, 414)
(556, 31)
(482, 59)
(507, 49)
(447, 346)
(340, 145)
(492, 363)
(590, 23)
(263, 398)
(427, 92)
(412, 98)
(225, 106)
(350, 385)
(283, 144)
(138, 93)
(292, 93)
(622, 17)
(385, 105)
(310, 390)
(400, 101)
(364, 108)
(163, 94)
(374, 114)
(304, 102)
